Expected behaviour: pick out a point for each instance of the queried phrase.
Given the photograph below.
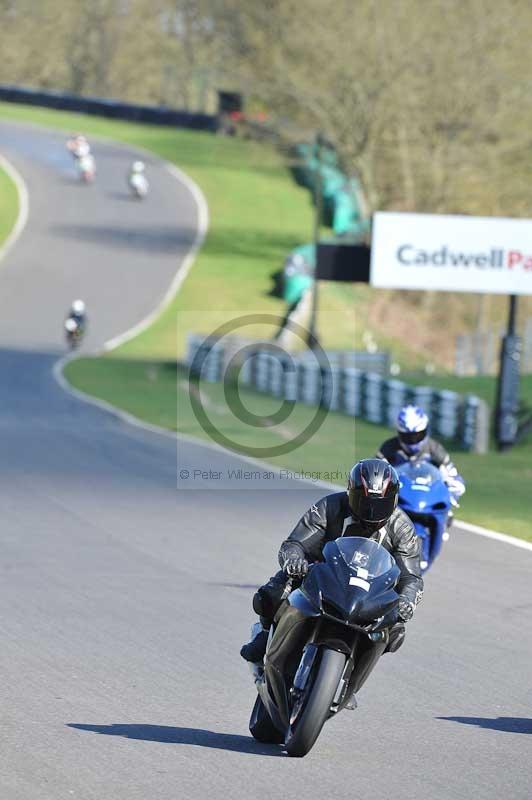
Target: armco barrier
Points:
(103, 107)
(339, 385)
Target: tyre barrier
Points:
(340, 386)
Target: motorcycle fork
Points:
(361, 653)
(341, 692)
(367, 655)
(310, 651)
(344, 640)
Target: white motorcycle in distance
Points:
(75, 324)
(78, 146)
(86, 168)
(84, 160)
(137, 181)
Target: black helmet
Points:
(373, 490)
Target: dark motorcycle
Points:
(326, 640)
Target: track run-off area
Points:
(125, 595)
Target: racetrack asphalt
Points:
(124, 600)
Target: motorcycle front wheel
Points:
(315, 709)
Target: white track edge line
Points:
(496, 535)
(103, 405)
(23, 206)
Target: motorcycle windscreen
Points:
(421, 472)
(364, 555)
(362, 585)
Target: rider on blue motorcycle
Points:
(368, 508)
(413, 443)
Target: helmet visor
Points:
(371, 509)
(412, 437)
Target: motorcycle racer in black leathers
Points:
(369, 509)
(78, 314)
(75, 323)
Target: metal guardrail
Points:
(104, 107)
(341, 386)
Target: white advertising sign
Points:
(451, 253)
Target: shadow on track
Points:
(127, 196)
(193, 736)
(247, 586)
(505, 724)
(150, 239)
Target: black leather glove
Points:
(405, 609)
(296, 566)
(292, 559)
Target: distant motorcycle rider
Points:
(78, 146)
(137, 168)
(368, 509)
(412, 443)
(76, 320)
(136, 178)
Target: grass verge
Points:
(8, 205)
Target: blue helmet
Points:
(412, 425)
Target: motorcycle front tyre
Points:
(307, 727)
(261, 726)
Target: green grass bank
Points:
(9, 205)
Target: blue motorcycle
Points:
(425, 497)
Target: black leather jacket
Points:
(331, 518)
(430, 450)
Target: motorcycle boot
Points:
(255, 650)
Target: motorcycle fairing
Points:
(323, 611)
(425, 497)
(344, 590)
